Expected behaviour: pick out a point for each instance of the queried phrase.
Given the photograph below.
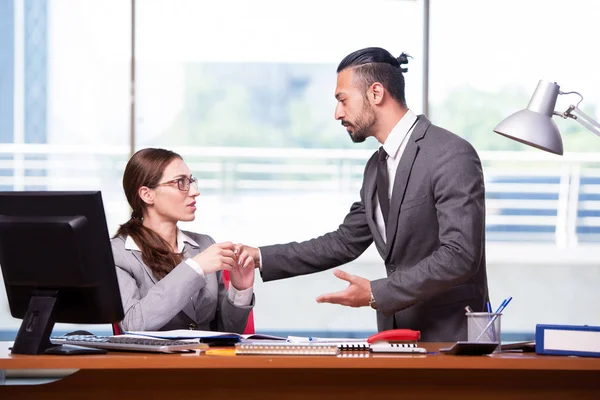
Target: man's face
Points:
(353, 109)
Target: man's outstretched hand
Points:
(357, 294)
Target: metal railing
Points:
(535, 196)
(530, 196)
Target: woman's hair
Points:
(145, 168)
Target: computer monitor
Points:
(57, 264)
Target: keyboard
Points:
(128, 343)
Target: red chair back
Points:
(250, 325)
(116, 329)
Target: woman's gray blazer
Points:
(181, 300)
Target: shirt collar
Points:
(181, 239)
(399, 133)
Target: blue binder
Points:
(567, 340)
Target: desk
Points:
(357, 375)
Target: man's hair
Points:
(375, 64)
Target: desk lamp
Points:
(534, 126)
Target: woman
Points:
(168, 278)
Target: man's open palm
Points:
(357, 294)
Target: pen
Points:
(498, 312)
(503, 305)
(299, 339)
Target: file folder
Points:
(567, 340)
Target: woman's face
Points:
(170, 202)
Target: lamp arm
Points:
(584, 120)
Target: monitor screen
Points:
(57, 263)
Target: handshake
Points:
(241, 260)
(227, 256)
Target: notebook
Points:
(327, 348)
(387, 347)
(350, 346)
(383, 347)
(344, 344)
(286, 348)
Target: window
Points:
(245, 92)
(543, 211)
(64, 121)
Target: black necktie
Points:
(383, 184)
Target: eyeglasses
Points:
(184, 183)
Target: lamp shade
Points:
(534, 126)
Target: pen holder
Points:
(484, 327)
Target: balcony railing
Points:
(530, 196)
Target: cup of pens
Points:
(484, 327)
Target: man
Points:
(422, 202)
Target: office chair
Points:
(116, 329)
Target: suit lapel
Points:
(189, 308)
(370, 181)
(402, 175)
(400, 183)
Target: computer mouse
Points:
(80, 332)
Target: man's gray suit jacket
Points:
(434, 254)
(181, 300)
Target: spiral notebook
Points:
(379, 346)
(286, 348)
(391, 347)
(329, 348)
(383, 347)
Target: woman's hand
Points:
(217, 257)
(242, 276)
(247, 256)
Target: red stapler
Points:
(395, 335)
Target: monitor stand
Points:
(35, 330)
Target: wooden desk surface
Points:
(352, 375)
(346, 360)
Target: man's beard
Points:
(363, 126)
